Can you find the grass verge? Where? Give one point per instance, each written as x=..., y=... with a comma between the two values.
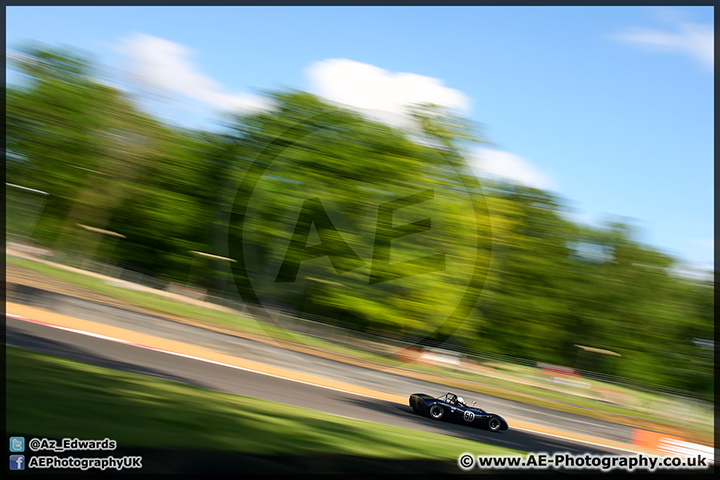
x=54, y=397
x=544, y=397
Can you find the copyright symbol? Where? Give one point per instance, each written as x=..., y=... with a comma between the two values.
x=34, y=444
x=466, y=461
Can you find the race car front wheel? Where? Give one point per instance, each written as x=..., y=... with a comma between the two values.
x=436, y=412
x=494, y=424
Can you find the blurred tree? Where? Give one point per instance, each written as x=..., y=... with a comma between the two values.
x=632, y=304
x=412, y=237
x=52, y=125
x=525, y=309
x=109, y=165
x=374, y=187
x=76, y=138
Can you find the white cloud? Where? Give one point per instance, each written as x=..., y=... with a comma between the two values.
x=694, y=39
x=381, y=94
x=162, y=63
x=491, y=163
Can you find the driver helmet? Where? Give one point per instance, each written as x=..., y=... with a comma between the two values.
x=461, y=400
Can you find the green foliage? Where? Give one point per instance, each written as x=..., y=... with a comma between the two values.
x=397, y=236
x=372, y=189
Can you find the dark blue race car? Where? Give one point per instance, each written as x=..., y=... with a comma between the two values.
x=452, y=408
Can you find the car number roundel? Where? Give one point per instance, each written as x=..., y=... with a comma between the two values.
x=468, y=416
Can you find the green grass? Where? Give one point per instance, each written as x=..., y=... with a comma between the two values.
x=147, y=300
x=54, y=397
x=536, y=395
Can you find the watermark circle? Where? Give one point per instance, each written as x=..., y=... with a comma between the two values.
x=357, y=250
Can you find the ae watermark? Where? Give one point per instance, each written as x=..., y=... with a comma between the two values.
x=293, y=233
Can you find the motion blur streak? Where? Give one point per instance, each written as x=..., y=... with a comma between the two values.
x=104, y=180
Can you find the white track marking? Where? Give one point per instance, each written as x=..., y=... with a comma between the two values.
x=191, y=357
x=113, y=339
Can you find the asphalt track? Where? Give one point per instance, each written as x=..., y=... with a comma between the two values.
x=304, y=393
x=130, y=358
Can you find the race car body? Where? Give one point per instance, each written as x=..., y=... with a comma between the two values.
x=452, y=408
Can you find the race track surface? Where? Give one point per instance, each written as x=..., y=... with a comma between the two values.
x=134, y=359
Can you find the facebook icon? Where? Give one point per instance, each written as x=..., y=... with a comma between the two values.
x=17, y=462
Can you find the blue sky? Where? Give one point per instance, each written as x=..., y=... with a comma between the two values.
x=610, y=108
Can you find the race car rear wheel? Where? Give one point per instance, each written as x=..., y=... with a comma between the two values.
x=436, y=412
x=494, y=424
